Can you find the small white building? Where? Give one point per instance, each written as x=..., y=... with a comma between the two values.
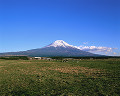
x=39, y=58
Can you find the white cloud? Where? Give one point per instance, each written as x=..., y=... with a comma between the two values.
x=98, y=50
x=94, y=48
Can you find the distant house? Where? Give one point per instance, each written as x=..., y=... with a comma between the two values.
x=46, y=58
x=38, y=58
x=49, y=58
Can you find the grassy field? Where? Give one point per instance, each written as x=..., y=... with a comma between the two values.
x=56, y=78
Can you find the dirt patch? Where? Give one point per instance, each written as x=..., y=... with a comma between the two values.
x=25, y=62
x=28, y=71
x=87, y=71
x=1, y=66
x=67, y=70
x=34, y=62
x=48, y=62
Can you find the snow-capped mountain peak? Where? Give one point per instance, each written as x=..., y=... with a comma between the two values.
x=57, y=48
x=60, y=43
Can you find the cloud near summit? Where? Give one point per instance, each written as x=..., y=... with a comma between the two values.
x=100, y=49
x=94, y=48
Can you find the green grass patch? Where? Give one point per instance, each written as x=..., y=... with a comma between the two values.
x=56, y=78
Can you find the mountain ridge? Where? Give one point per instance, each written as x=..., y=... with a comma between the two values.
x=57, y=48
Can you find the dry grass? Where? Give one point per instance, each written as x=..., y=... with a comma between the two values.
x=54, y=78
x=63, y=69
x=75, y=70
x=1, y=66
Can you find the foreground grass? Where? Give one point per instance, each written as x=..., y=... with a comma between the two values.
x=55, y=78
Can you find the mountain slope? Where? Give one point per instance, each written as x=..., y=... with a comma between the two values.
x=57, y=48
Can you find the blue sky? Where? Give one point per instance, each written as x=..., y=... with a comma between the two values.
x=29, y=24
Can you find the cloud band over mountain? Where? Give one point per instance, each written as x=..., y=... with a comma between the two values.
x=100, y=49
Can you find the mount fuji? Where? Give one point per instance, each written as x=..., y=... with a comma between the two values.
x=57, y=48
x=61, y=43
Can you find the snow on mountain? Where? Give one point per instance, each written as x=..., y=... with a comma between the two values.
x=57, y=48
x=91, y=49
x=61, y=43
